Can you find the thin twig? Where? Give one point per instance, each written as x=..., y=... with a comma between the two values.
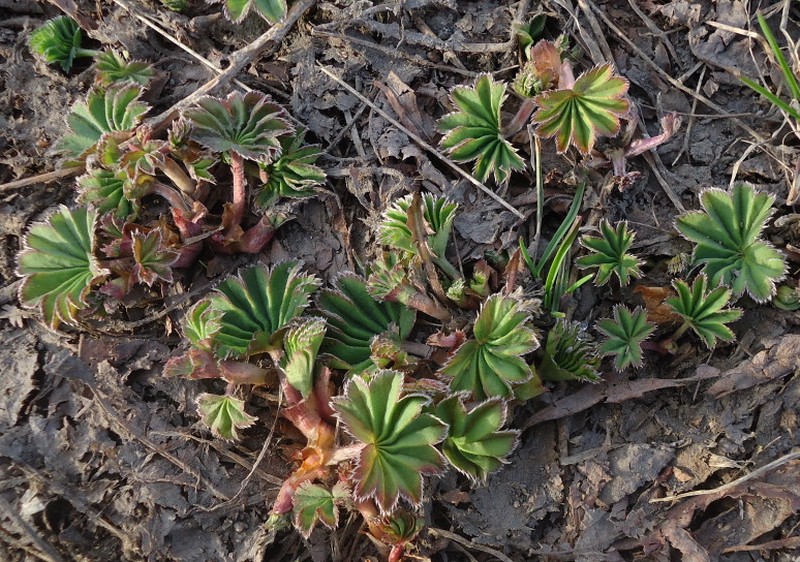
x=469, y=544
x=46, y=177
x=424, y=144
x=661, y=72
x=733, y=484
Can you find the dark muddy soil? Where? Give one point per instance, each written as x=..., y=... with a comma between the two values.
x=102, y=458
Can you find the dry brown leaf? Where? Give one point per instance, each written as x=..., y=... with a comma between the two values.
x=780, y=358
x=658, y=312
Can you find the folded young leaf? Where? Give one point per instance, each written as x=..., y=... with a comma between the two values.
x=474, y=132
x=488, y=365
x=727, y=241
x=224, y=415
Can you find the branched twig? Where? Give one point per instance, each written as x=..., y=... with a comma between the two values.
x=271, y=39
x=420, y=141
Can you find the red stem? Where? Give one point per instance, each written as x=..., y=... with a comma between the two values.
x=239, y=188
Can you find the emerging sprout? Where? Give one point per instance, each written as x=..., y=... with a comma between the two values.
x=59, y=40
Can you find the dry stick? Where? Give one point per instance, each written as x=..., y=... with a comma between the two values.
x=47, y=552
x=46, y=177
x=725, y=487
x=688, y=134
x=71, y=9
x=469, y=544
x=591, y=44
x=158, y=29
x=238, y=61
x=655, y=30
x=394, y=53
x=661, y=72
x=420, y=141
x=598, y=33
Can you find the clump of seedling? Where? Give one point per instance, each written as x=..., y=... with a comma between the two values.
x=110, y=251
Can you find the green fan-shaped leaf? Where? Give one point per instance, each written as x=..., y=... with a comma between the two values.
x=438, y=213
x=591, y=107
x=271, y=10
x=58, y=264
x=727, y=241
x=293, y=174
x=116, y=108
x=313, y=503
x=608, y=254
x=58, y=40
x=355, y=318
x=301, y=345
x=105, y=190
x=568, y=355
x=257, y=304
x=705, y=311
x=474, y=132
x=249, y=125
x=475, y=445
x=201, y=324
x=624, y=336
x=111, y=67
x=489, y=364
x=398, y=438
x=224, y=415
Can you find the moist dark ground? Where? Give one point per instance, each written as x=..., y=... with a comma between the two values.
x=101, y=458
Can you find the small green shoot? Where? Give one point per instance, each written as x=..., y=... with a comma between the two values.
x=624, y=336
x=567, y=355
x=489, y=364
x=112, y=68
x=787, y=72
x=475, y=445
x=224, y=415
x=59, y=41
x=397, y=439
x=105, y=111
x=704, y=311
x=577, y=115
x=314, y=503
x=608, y=254
x=271, y=10
x=58, y=265
x=355, y=319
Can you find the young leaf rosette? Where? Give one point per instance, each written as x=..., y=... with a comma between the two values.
x=397, y=441
x=577, y=115
x=624, y=336
x=257, y=305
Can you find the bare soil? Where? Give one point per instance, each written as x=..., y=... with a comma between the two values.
x=102, y=458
